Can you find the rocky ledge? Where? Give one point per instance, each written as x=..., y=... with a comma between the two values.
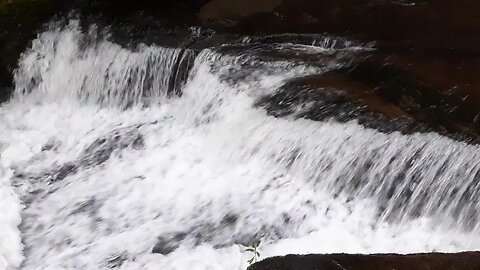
x=424, y=69
x=431, y=261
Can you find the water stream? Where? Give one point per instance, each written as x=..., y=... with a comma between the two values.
x=162, y=158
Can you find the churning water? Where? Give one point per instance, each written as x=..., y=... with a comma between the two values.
x=158, y=158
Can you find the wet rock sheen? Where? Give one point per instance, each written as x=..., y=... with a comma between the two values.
x=436, y=261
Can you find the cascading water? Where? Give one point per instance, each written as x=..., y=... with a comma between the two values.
x=103, y=72
x=121, y=161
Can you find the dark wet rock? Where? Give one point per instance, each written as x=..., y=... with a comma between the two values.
x=167, y=244
x=223, y=233
x=321, y=104
x=419, y=24
x=64, y=171
x=394, y=91
x=88, y=206
x=96, y=154
x=116, y=261
x=317, y=50
x=436, y=261
x=317, y=40
x=384, y=93
x=100, y=151
x=181, y=69
x=226, y=9
x=51, y=145
x=167, y=23
x=5, y=81
x=426, y=61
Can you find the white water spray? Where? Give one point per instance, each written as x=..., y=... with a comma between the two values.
x=184, y=182
x=66, y=64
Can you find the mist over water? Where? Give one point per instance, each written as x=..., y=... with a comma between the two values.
x=161, y=158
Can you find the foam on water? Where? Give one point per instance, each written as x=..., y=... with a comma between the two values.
x=10, y=206
x=197, y=176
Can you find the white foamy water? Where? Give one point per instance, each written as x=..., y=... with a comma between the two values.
x=106, y=180
x=10, y=206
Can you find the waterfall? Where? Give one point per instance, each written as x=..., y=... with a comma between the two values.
x=65, y=63
x=162, y=158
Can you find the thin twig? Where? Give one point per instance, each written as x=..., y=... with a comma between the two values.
x=339, y=265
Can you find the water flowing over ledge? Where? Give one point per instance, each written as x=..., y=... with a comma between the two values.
x=103, y=72
x=118, y=167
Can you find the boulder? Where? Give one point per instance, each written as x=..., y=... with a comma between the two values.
x=431, y=261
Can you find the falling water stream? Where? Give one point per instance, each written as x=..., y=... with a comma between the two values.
x=162, y=158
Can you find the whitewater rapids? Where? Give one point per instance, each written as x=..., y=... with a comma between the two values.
x=110, y=160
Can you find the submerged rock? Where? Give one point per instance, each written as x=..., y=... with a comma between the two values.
x=432, y=261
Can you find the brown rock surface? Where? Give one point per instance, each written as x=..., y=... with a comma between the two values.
x=431, y=261
x=426, y=66
x=225, y=9
x=402, y=86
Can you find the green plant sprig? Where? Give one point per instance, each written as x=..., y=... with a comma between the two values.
x=254, y=250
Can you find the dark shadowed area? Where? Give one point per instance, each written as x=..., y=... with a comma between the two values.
x=432, y=261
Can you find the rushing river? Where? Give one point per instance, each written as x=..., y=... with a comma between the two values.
x=166, y=158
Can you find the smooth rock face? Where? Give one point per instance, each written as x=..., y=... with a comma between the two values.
x=432, y=261
x=225, y=9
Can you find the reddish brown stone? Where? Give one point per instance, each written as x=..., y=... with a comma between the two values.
x=431, y=261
